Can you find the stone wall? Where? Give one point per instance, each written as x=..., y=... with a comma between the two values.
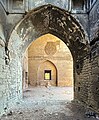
x=82, y=80
x=10, y=84
x=2, y=75
x=25, y=70
x=94, y=78
x=94, y=57
x=83, y=20
x=50, y=48
x=3, y=80
x=86, y=62
x=31, y=27
x=94, y=21
x=20, y=6
x=16, y=10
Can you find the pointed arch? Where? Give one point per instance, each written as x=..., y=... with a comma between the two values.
x=47, y=67
x=50, y=19
x=53, y=20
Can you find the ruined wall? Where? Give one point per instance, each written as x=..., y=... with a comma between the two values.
x=12, y=21
x=82, y=79
x=3, y=23
x=9, y=21
x=10, y=84
x=49, y=47
x=62, y=25
x=17, y=9
x=37, y=23
x=20, y=6
x=88, y=80
x=83, y=20
x=3, y=90
x=94, y=80
x=25, y=70
x=2, y=76
x=94, y=21
x=94, y=57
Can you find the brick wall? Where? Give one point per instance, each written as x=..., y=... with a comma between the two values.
x=86, y=74
x=51, y=48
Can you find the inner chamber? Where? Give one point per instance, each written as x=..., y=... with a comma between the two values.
x=47, y=62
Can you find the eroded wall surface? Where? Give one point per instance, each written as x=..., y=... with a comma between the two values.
x=25, y=81
x=16, y=44
x=17, y=9
x=94, y=21
x=51, y=48
x=94, y=38
x=9, y=77
x=86, y=64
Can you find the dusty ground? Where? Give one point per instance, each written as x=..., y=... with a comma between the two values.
x=52, y=103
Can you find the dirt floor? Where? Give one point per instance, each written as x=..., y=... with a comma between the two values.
x=49, y=103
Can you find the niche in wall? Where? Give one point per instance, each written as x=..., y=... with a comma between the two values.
x=17, y=4
x=78, y=4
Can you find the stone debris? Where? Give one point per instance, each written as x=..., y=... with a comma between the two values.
x=76, y=23
x=38, y=107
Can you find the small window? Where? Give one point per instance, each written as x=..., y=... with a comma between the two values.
x=47, y=75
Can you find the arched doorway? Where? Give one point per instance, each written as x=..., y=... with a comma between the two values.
x=43, y=20
x=47, y=74
x=48, y=55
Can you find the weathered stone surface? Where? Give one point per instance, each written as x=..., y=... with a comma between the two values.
x=94, y=21
x=41, y=58
x=19, y=8
x=47, y=19
x=22, y=6
x=69, y=27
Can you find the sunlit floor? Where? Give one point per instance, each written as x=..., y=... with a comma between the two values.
x=48, y=103
x=49, y=93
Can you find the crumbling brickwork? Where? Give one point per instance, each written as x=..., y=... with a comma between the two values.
x=94, y=57
x=74, y=29
x=94, y=21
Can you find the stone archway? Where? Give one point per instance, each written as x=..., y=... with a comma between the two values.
x=51, y=48
x=53, y=20
x=49, y=68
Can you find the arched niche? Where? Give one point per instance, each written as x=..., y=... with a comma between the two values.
x=47, y=74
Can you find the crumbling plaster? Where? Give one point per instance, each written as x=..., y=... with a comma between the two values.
x=40, y=21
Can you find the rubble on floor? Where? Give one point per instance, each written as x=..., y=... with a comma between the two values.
x=53, y=103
